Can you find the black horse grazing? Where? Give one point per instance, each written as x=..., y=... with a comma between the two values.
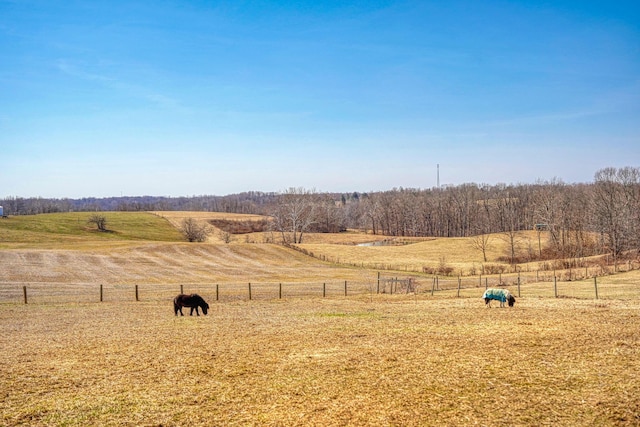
x=194, y=301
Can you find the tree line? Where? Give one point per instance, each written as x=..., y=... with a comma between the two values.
x=581, y=219
x=248, y=202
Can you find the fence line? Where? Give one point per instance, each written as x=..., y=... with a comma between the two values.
x=45, y=292
x=594, y=288
x=560, y=268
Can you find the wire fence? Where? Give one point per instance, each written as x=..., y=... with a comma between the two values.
x=596, y=287
x=41, y=292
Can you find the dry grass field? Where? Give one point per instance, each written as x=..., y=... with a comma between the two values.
x=355, y=361
x=177, y=217
x=166, y=263
x=142, y=248
x=364, y=359
x=414, y=253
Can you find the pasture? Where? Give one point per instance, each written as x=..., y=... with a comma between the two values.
x=364, y=359
x=354, y=361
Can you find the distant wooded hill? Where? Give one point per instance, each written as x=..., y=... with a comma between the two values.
x=581, y=219
x=249, y=202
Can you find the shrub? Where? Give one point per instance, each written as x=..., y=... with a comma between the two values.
x=194, y=231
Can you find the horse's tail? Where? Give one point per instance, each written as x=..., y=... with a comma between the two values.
x=176, y=307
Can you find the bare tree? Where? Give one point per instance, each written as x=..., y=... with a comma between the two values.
x=294, y=213
x=615, y=202
x=509, y=213
x=481, y=243
x=194, y=231
x=99, y=220
x=371, y=212
x=548, y=208
x=465, y=207
x=225, y=236
x=330, y=215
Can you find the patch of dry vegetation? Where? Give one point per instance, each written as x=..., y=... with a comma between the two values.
x=210, y=219
x=387, y=361
x=177, y=216
x=457, y=255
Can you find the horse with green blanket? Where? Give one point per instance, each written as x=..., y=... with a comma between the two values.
x=502, y=295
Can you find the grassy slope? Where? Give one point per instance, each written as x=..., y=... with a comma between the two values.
x=141, y=248
x=72, y=231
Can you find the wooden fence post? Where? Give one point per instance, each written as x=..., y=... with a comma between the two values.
x=595, y=284
x=459, y=282
x=217, y=293
x=249, y=291
x=24, y=291
x=555, y=285
x=181, y=289
x=433, y=286
x=100, y=293
x=280, y=291
x=378, y=291
x=518, y=285
x=345, y=288
x=137, y=295
x=324, y=290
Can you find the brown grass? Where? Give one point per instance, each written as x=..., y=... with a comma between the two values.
x=176, y=218
x=387, y=361
x=168, y=263
x=362, y=360
x=458, y=254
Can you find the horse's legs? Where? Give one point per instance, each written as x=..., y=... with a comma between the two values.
x=177, y=308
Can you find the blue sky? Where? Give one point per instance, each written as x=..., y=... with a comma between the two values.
x=180, y=98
